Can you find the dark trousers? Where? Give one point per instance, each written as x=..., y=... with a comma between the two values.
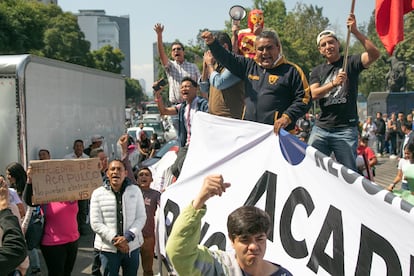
x=178, y=164
x=380, y=143
x=393, y=141
x=111, y=262
x=60, y=259
x=96, y=263
x=147, y=255
x=82, y=216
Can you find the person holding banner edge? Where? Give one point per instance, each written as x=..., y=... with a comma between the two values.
x=248, y=228
x=336, y=130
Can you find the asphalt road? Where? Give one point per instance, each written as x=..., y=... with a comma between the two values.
x=83, y=263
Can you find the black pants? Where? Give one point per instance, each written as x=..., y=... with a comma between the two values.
x=178, y=164
x=96, y=264
x=82, y=216
x=60, y=259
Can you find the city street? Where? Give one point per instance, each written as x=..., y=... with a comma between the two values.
x=83, y=263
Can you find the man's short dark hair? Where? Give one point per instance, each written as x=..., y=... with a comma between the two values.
x=177, y=43
x=45, y=150
x=224, y=38
x=77, y=141
x=408, y=125
x=142, y=169
x=193, y=82
x=116, y=160
x=247, y=221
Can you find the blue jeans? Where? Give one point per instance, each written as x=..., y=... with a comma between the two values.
x=342, y=142
x=111, y=262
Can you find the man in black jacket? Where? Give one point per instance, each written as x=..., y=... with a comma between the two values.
x=380, y=133
x=12, y=243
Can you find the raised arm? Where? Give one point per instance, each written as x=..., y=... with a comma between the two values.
x=182, y=246
x=371, y=53
x=159, y=28
x=161, y=107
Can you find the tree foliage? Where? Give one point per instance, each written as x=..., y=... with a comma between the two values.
x=28, y=26
x=108, y=59
x=133, y=90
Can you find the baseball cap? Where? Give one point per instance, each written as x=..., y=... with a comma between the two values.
x=324, y=34
x=97, y=138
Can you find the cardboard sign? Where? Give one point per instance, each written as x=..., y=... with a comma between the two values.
x=64, y=180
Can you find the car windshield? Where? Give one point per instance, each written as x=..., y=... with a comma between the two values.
x=132, y=133
x=164, y=149
x=152, y=109
x=156, y=125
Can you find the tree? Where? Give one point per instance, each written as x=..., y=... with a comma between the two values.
x=133, y=90
x=108, y=59
x=65, y=41
x=43, y=30
x=22, y=26
x=299, y=38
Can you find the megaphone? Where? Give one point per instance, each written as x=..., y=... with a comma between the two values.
x=237, y=13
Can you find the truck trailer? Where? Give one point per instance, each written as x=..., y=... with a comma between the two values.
x=48, y=104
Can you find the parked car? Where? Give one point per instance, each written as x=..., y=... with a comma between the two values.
x=171, y=145
x=152, y=112
x=132, y=131
x=158, y=128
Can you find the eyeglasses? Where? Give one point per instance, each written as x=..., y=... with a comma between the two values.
x=177, y=49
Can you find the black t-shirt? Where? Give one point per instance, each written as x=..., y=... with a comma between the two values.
x=339, y=106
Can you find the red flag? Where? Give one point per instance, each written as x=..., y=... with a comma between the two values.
x=389, y=20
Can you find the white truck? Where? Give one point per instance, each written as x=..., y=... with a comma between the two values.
x=49, y=104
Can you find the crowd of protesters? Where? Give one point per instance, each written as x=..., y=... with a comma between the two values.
x=276, y=92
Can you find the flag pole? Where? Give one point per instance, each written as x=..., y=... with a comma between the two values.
x=348, y=37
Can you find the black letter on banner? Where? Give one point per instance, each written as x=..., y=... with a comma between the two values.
x=267, y=182
x=335, y=265
x=296, y=249
x=218, y=239
x=349, y=175
x=411, y=265
x=319, y=159
x=171, y=207
x=371, y=243
x=331, y=169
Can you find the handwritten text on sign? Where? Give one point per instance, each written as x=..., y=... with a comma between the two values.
x=64, y=180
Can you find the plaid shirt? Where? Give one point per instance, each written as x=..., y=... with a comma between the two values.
x=175, y=73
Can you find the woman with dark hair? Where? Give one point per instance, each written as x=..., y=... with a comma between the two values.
x=16, y=175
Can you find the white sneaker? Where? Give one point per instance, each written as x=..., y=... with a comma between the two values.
x=393, y=156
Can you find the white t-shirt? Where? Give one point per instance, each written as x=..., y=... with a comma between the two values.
x=402, y=164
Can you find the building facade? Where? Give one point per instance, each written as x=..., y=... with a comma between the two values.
x=101, y=29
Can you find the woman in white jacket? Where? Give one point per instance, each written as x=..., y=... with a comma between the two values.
x=117, y=217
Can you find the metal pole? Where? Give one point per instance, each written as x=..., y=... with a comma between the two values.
x=348, y=37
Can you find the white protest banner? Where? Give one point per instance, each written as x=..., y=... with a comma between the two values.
x=64, y=180
x=327, y=220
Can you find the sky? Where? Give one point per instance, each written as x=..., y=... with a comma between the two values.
x=184, y=18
